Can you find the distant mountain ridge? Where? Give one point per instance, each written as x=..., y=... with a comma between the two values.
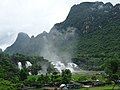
x=90, y=29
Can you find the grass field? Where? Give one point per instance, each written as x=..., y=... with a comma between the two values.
x=86, y=75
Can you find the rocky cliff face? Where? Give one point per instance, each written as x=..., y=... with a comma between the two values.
x=88, y=16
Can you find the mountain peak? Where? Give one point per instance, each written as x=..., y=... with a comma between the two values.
x=22, y=34
x=97, y=5
x=44, y=32
x=117, y=6
x=21, y=41
x=22, y=37
x=108, y=5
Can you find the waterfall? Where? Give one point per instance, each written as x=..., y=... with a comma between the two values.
x=20, y=65
x=61, y=66
x=72, y=67
x=30, y=73
x=28, y=64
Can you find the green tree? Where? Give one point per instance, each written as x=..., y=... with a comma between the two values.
x=50, y=69
x=112, y=67
x=23, y=74
x=113, y=70
x=6, y=85
x=114, y=78
x=19, y=58
x=66, y=76
x=43, y=79
x=55, y=77
x=35, y=69
x=8, y=71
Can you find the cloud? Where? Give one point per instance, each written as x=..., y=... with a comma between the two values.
x=7, y=38
x=30, y=15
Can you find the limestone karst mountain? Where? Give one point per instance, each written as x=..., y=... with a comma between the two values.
x=90, y=31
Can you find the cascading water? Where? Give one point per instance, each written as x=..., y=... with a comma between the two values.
x=61, y=66
x=20, y=65
x=30, y=73
x=72, y=67
x=28, y=64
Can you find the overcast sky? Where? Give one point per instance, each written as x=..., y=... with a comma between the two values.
x=32, y=16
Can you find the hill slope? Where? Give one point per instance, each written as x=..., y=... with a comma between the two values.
x=90, y=34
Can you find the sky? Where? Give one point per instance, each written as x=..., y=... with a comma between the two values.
x=32, y=16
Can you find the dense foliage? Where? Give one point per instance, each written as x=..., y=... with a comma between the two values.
x=12, y=78
x=11, y=75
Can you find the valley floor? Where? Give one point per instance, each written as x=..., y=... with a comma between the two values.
x=107, y=87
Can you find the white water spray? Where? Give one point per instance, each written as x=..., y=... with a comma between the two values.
x=28, y=64
x=20, y=65
x=51, y=50
x=72, y=67
x=61, y=66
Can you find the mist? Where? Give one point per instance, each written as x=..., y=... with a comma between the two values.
x=52, y=49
